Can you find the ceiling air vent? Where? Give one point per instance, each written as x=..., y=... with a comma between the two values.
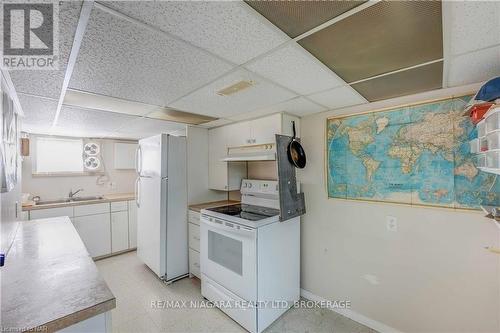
x=235, y=88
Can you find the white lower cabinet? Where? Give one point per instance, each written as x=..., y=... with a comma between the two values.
x=194, y=243
x=51, y=212
x=105, y=228
x=119, y=231
x=132, y=224
x=95, y=232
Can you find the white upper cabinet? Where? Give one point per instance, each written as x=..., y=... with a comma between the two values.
x=263, y=130
x=217, y=149
x=238, y=134
x=125, y=155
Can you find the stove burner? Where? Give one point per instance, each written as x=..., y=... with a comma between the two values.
x=247, y=212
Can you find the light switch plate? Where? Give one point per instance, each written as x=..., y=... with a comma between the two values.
x=391, y=223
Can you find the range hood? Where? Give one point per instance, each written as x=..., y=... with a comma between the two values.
x=264, y=152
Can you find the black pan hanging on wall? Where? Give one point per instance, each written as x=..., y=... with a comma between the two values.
x=295, y=152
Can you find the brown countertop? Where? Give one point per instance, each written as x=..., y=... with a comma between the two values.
x=107, y=198
x=49, y=280
x=199, y=207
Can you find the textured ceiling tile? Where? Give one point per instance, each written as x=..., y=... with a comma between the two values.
x=338, y=97
x=229, y=29
x=49, y=82
x=121, y=59
x=298, y=106
x=474, y=67
x=408, y=82
x=297, y=17
x=387, y=36
x=91, y=121
x=38, y=112
x=295, y=68
x=143, y=127
x=472, y=24
x=207, y=101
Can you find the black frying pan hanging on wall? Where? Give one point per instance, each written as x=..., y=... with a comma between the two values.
x=295, y=152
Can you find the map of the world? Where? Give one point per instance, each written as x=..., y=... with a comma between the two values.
x=416, y=155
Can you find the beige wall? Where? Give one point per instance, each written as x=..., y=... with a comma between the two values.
x=432, y=275
x=120, y=181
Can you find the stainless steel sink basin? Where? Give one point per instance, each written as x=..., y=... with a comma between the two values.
x=65, y=200
x=96, y=197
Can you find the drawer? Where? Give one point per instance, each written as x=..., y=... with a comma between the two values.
x=194, y=217
x=194, y=236
x=51, y=212
x=194, y=263
x=119, y=206
x=99, y=208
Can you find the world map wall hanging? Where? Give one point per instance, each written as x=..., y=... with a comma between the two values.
x=417, y=155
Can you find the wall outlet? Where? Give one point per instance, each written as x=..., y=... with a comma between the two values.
x=391, y=223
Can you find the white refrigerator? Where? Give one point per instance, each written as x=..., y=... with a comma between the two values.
x=161, y=198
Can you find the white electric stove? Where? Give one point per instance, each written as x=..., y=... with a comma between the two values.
x=250, y=261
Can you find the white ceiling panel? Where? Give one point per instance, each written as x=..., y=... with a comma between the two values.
x=472, y=24
x=38, y=112
x=95, y=122
x=338, y=97
x=122, y=59
x=230, y=29
x=296, y=69
x=298, y=106
x=206, y=100
x=474, y=67
x=49, y=82
x=144, y=127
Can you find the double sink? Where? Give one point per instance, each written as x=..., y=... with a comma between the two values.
x=66, y=200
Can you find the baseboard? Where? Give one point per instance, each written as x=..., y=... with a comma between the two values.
x=357, y=317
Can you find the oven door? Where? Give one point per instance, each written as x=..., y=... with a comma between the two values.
x=229, y=256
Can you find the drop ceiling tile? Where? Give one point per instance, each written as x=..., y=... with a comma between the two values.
x=474, y=67
x=90, y=121
x=472, y=24
x=38, y=112
x=48, y=83
x=338, y=97
x=297, y=17
x=298, y=106
x=124, y=60
x=206, y=100
x=296, y=69
x=408, y=82
x=144, y=127
x=387, y=36
x=229, y=29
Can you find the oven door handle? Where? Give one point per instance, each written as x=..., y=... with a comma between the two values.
x=221, y=225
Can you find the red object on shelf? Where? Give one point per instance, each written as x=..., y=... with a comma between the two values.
x=478, y=111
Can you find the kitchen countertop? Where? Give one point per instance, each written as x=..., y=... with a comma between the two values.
x=107, y=198
x=49, y=280
x=199, y=207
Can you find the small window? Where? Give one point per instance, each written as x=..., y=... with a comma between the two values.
x=58, y=155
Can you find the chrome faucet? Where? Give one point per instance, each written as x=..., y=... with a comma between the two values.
x=72, y=194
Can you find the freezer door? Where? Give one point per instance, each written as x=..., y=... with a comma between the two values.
x=152, y=156
x=152, y=223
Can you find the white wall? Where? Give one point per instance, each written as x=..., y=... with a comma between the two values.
x=432, y=275
x=120, y=181
x=197, y=155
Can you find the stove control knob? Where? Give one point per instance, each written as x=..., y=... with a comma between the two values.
x=245, y=185
x=249, y=185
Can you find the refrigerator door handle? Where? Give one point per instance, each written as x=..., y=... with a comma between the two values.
x=138, y=160
x=137, y=193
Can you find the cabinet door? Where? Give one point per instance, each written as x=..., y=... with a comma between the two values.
x=95, y=232
x=263, y=130
x=217, y=149
x=132, y=224
x=51, y=212
x=119, y=231
x=239, y=134
x=99, y=208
